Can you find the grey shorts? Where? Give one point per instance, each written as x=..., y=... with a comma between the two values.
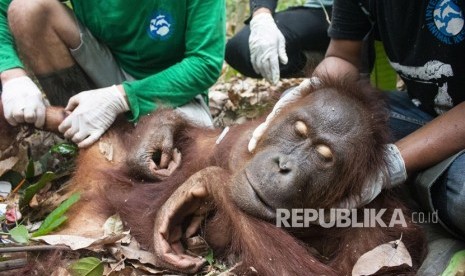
x=99, y=64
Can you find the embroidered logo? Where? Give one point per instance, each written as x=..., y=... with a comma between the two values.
x=160, y=26
x=445, y=21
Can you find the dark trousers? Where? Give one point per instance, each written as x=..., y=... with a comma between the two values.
x=305, y=30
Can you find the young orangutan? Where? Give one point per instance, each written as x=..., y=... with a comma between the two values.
x=318, y=153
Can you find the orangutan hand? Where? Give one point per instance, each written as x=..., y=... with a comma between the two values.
x=192, y=200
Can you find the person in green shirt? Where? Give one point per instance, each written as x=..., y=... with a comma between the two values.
x=104, y=58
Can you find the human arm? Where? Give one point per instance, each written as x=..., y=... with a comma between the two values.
x=434, y=142
x=342, y=59
x=349, y=26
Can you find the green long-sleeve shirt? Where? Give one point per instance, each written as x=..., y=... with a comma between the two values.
x=174, y=49
x=8, y=57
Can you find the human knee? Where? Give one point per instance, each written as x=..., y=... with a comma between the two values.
x=25, y=16
x=456, y=193
x=237, y=55
x=455, y=213
x=233, y=49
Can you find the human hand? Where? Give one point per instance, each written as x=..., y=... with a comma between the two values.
x=292, y=96
x=393, y=175
x=92, y=113
x=22, y=102
x=267, y=45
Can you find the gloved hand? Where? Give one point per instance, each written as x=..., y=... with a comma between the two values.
x=393, y=175
x=22, y=102
x=93, y=112
x=266, y=43
x=292, y=96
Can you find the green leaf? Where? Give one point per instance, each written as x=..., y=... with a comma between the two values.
x=50, y=227
x=89, y=266
x=56, y=218
x=210, y=258
x=20, y=234
x=65, y=149
x=456, y=264
x=34, y=188
x=30, y=171
x=383, y=75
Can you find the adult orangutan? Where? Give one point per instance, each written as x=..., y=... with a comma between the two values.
x=318, y=153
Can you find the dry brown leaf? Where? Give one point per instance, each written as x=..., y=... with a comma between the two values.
x=116, y=267
x=131, y=253
x=126, y=271
x=34, y=203
x=74, y=242
x=390, y=254
x=217, y=99
x=113, y=225
x=8, y=164
x=16, y=163
x=152, y=271
x=106, y=149
x=78, y=242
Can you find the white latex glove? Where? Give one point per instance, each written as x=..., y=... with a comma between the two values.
x=292, y=96
x=93, y=112
x=394, y=175
x=267, y=45
x=23, y=102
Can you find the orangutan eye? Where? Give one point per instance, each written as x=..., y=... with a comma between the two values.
x=301, y=128
x=325, y=152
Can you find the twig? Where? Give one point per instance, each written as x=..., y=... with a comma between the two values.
x=32, y=248
x=117, y=264
x=18, y=186
x=12, y=264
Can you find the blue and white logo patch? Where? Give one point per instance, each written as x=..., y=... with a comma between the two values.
x=445, y=20
x=160, y=26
